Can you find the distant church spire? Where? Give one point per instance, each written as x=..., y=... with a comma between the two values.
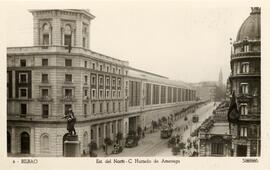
x=220, y=78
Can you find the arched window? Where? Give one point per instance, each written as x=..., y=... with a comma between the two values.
x=85, y=140
x=67, y=35
x=46, y=34
x=44, y=143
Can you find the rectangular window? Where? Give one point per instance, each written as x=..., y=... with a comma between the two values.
x=85, y=109
x=113, y=82
x=85, y=64
x=93, y=108
x=45, y=111
x=93, y=66
x=23, y=109
x=67, y=107
x=101, y=107
x=119, y=82
x=107, y=107
x=107, y=94
x=68, y=62
x=83, y=42
x=217, y=149
x=45, y=39
x=85, y=93
x=100, y=67
x=113, y=107
x=67, y=39
x=243, y=109
x=93, y=93
x=114, y=94
x=85, y=79
x=68, y=93
x=243, y=132
x=107, y=81
x=45, y=93
x=246, y=48
x=93, y=80
x=23, y=92
x=245, y=67
x=100, y=80
x=244, y=88
x=119, y=106
x=107, y=69
x=68, y=78
x=100, y=94
x=113, y=70
x=23, y=63
x=119, y=93
x=23, y=78
x=44, y=78
x=119, y=71
x=45, y=62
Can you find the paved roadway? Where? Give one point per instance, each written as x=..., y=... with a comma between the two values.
x=153, y=145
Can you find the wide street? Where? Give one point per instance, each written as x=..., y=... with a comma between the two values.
x=153, y=145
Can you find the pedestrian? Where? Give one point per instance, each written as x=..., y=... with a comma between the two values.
x=143, y=135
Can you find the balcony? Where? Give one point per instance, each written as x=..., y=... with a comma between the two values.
x=45, y=99
x=249, y=74
x=68, y=99
x=250, y=54
x=251, y=117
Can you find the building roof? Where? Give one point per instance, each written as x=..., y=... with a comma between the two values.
x=136, y=73
x=251, y=28
x=220, y=128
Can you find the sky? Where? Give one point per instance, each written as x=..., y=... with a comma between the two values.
x=180, y=40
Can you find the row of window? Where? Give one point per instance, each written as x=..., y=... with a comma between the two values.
x=68, y=63
x=174, y=94
x=251, y=131
x=104, y=107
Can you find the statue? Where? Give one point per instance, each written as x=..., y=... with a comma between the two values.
x=71, y=120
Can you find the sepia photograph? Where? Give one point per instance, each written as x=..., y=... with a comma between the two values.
x=143, y=80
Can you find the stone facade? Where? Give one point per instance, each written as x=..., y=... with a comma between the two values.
x=245, y=82
x=60, y=71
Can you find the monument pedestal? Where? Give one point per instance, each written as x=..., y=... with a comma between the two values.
x=72, y=146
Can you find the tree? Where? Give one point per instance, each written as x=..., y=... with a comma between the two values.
x=119, y=137
x=92, y=147
x=107, y=142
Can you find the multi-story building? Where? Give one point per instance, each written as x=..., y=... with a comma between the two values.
x=61, y=72
x=245, y=82
x=214, y=134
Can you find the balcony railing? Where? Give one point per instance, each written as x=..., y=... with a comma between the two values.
x=68, y=99
x=250, y=117
x=45, y=99
x=246, y=54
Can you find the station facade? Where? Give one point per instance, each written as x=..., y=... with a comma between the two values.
x=61, y=72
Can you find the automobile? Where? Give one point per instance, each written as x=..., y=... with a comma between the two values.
x=132, y=140
x=195, y=118
x=117, y=149
x=166, y=132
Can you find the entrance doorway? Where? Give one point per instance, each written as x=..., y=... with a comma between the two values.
x=241, y=150
x=8, y=142
x=25, y=143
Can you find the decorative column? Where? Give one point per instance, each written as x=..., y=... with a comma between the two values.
x=13, y=141
x=32, y=141
x=248, y=148
x=97, y=136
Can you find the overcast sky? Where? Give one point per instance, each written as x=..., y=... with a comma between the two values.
x=183, y=41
